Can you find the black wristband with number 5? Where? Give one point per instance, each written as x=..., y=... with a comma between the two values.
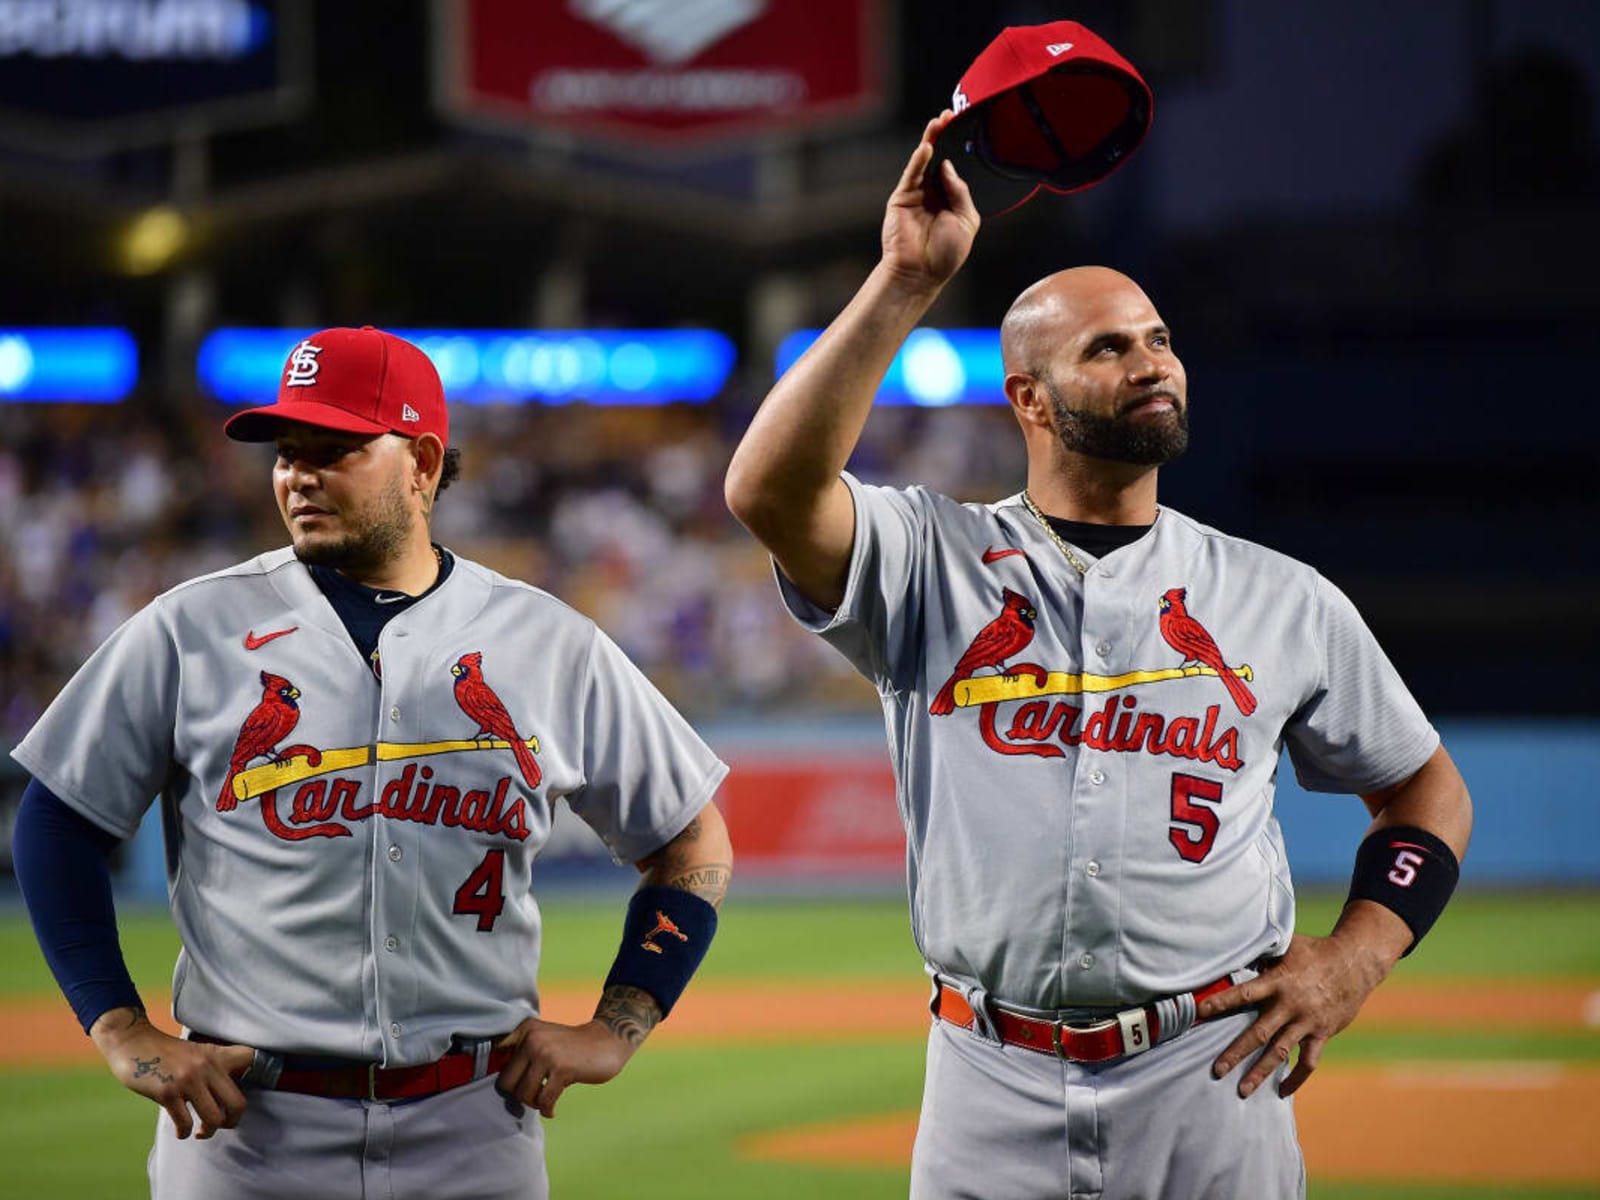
x=1409, y=871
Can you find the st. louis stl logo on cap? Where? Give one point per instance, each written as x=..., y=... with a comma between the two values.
x=303, y=365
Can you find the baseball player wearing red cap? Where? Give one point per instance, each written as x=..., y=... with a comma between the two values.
x=1086, y=694
x=356, y=742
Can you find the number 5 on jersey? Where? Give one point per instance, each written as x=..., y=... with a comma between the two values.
x=1194, y=825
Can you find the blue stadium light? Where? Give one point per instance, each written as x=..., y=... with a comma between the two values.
x=84, y=366
x=487, y=366
x=934, y=369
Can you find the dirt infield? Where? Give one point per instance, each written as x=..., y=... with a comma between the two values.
x=1401, y=1121
x=1424, y=1122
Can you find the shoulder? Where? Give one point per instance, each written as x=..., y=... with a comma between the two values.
x=520, y=597
x=1266, y=565
x=203, y=590
x=934, y=507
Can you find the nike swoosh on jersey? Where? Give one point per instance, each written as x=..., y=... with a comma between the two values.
x=252, y=642
x=992, y=555
x=390, y=597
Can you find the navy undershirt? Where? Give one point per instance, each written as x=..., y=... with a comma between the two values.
x=365, y=610
x=62, y=860
x=1098, y=540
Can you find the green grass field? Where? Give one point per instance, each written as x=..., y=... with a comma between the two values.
x=669, y=1127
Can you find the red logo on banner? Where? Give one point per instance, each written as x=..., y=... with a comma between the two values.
x=649, y=70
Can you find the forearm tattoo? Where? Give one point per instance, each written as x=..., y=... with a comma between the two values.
x=629, y=1012
x=678, y=865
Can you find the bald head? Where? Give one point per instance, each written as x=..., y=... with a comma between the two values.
x=1065, y=307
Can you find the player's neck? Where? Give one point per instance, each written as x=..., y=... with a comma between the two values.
x=1078, y=488
x=411, y=572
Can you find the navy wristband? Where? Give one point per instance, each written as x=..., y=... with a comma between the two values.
x=664, y=937
x=1409, y=871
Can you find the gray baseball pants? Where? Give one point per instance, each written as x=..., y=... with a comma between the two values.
x=458, y=1145
x=1004, y=1123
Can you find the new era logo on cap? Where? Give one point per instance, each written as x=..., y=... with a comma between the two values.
x=1043, y=107
x=355, y=381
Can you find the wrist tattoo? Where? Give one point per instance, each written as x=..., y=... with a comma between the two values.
x=629, y=1012
x=150, y=1066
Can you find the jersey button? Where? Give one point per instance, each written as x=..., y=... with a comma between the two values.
x=1097, y=776
x=394, y=714
x=1086, y=961
x=1103, y=649
x=1091, y=869
x=394, y=853
x=394, y=1029
x=391, y=943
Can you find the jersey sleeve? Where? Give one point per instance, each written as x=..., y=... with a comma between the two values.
x=1361, y=730
x=104, y=746
x=646, y=771
x=875, y=625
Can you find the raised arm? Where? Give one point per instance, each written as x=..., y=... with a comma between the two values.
x=783, y=483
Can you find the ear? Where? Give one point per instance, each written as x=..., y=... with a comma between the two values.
x=1029, y=401
x=427, y=452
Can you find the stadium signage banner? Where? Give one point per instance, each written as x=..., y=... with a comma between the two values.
x=648, y=71
x=87, y=76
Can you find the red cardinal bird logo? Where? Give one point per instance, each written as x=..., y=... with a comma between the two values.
x=1190, y=639
x=1001, y=638
x=664, y=924
x=269, y=722
x=478, y=701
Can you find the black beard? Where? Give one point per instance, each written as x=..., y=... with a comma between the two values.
x=1144, y=443
x=365, y=551
x=368, y=549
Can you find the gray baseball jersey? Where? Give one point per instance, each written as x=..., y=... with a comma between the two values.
x=350, y=857
x=1086, y=764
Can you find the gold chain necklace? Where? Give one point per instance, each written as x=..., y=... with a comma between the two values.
x=1072, y=555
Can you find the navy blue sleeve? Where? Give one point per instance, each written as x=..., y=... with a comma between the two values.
x=62, y=864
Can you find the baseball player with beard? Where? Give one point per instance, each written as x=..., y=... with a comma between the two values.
x=357, y=741
x=1086, y=694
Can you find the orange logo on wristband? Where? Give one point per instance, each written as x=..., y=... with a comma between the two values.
x=663, y=925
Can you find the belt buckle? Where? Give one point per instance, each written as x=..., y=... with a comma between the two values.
x=372, y=1081
x=1097, y=1027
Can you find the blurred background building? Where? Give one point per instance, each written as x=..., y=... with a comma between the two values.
x=1374, y=227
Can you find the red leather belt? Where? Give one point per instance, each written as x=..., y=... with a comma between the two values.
x=1132, y=1031
x=368, y=1081
x=347, y=1079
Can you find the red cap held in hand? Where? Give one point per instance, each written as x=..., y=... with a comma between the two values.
x=1044, y=106
x=354, y=380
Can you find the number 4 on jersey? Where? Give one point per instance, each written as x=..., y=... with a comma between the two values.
x=482, y=894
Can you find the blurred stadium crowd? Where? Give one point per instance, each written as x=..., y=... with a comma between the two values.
x=617, y=511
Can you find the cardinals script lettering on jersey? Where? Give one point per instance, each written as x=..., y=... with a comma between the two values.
x=414, y=796
x=1037, y=724
x=1042, y=727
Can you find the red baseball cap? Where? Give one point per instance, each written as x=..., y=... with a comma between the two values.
x=355, y=380
x=1044, y=106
